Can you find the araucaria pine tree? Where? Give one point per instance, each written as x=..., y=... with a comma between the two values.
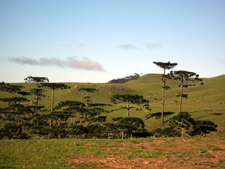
x=54, y=86
x=183, y=76
x=87, y=98
x=130, y=99
x=164, y=66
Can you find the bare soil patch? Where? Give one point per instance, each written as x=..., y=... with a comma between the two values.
x=179, y=154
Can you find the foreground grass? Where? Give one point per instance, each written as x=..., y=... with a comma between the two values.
x=67, y=153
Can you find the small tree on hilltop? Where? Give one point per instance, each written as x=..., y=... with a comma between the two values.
x=183, y=76
x=164, y=66
x=130, y=99
x=54, y=86
x=31, y=79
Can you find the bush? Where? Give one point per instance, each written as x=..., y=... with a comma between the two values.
x=183, y=125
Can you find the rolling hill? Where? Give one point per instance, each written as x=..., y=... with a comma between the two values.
x=205, y=102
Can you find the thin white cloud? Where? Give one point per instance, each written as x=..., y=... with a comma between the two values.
x=71, y=62
x=153, y=45
x=51, y=61
x=24, y=60
x=83, y=64
x=128, y=46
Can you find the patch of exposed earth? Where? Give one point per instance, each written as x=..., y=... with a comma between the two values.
x=179, y=154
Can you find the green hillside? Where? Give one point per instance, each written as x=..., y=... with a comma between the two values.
x=205, y=102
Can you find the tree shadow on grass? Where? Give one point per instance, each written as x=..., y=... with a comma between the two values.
x=200, y=117
x=158, y=115
x=217, y=114
x=99, y=105
x=121, y=108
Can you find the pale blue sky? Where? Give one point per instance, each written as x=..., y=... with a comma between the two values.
x=99, y=40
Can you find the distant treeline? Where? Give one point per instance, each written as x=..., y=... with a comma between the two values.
x=125, y=79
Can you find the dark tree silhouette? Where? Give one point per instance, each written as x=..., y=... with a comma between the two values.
x=77, y=131
x=73, y=107
x=54, y=86
x=38, y=93
x=125, y=79
x=31, y=79
x=110, y=129
x=183, y=124
x=204, y=127
x=164, y=66
x=130, y=99
x=129, y=125
x=183, y=76
x=10, y=88
x=87, y=98
x=15, y=100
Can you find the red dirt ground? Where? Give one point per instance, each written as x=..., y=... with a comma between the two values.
x=178, y=154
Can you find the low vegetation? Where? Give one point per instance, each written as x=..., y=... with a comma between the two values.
x=105, y=153
x=125, y=79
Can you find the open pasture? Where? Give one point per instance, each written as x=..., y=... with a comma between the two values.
x=103, y=153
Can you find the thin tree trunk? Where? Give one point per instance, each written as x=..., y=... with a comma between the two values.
x=37, y=105
x=182, y=133
x=181, y=93
x=31, y=100
x=52, y=100
x=163, y=102
x=128, y=107
x=163, y=98
x=50, y=124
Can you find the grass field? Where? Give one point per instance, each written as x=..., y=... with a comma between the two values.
x=102, y=153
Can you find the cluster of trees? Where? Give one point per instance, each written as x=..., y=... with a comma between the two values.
x=68, y=119
x=23, y=118
x=125, y=79
x=136, y=100
x=181, y=75
x=183, y=126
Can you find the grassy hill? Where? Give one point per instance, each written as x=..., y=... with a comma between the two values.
x=205, y=102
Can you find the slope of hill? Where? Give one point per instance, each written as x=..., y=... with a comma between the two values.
x=218, y=80
x=205, y=102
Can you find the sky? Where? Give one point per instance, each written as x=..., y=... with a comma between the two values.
x=100, y=40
